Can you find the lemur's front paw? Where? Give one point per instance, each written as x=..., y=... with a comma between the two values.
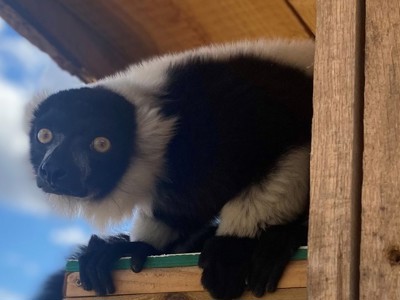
x=225, y=262
x=95, y=268
x=96, y=263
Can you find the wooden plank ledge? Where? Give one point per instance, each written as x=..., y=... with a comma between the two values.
x=282, y=294
x=173, y=280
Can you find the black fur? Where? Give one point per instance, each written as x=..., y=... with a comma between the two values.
x=235, y=120
x=226, y=261
x=53, y=288
x=82, y=115
x=275, y=247
x=96, y=262
x=232, y=264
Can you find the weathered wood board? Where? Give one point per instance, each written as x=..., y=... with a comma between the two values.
x=336, y=152
x=282, y=294
x=380, y=238
x=174, y=280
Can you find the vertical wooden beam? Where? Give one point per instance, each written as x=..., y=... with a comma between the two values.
x=336, y=151
x=380, y=247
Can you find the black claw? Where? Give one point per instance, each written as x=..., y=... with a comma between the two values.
x=85, y=281
x=136, y=265
x=104, y=276
x=95, y=243
x=138, y=258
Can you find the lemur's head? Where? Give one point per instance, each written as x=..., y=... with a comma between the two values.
x=82, y=141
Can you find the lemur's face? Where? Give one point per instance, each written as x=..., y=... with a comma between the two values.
x=81, y=142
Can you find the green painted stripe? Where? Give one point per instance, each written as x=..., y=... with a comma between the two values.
x=167, y=261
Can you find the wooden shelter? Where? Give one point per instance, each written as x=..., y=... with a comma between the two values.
x=94, y=38
x=354, y=245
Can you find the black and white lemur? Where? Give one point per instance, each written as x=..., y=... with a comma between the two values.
x=217, y=137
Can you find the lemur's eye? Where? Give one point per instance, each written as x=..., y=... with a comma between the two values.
x=101, y=144
x=44, y=136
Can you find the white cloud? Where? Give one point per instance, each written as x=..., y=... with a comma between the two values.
x=53, y=79
x=2, y=24
x=35, y=72
x=12, y=137
x=10, y=295
x=23, y=50
x=38, y=70
x=16, y=184
x=68, y=236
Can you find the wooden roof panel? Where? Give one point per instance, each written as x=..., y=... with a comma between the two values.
x=94, y=38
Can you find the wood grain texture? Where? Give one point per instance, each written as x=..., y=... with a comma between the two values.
x=64, y=37
x=336, y=158
x=94, y=38
x=306, y=10
x=380, y=247
x=174, y=25
x=166, y=280
x=18, y=21
x=281, y=294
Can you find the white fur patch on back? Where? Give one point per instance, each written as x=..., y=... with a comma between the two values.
x=280, y=198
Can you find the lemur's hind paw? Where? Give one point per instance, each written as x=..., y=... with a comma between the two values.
x=225, y=262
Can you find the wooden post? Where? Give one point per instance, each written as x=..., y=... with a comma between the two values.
x=380, y=247
x=336, y=151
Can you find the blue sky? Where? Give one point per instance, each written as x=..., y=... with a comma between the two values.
x=34, y=242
